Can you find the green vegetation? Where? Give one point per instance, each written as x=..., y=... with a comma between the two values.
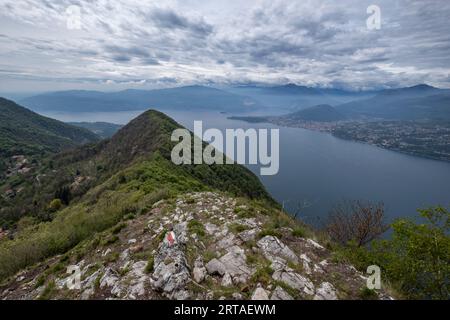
x=55, y=205
x=145, y=145
x=25, y=132
x=150, y=265
x=368, y=294
x=197, y=227
x=48, y=291
x=118, y=228
x=270, y=231
x=299, y=232
x=262, y=275
x=72, y=225
x=237, y=227
x=415, y=260
x=136, y=172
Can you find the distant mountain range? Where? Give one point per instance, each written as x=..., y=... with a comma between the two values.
x=320, y=113
x=421, y=102
x=291, y=97
x=412, y=103
x=183, y=98
x=25, y=132
x=238, y=99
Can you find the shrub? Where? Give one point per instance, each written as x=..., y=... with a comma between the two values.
x=150, y=265
x=368, y=294
x=55, y=205
x=118, y=228
x=110, y=240
x=269, y=231
x=48, y=291
x=298, y=232
x=415, y=260
x=356, y=221
x=197, y=227
x=237, y=227
x=40, y=281
x=262, y=275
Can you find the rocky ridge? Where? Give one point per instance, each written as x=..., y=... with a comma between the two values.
x=204, y=245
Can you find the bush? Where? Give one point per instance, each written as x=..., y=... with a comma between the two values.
x=368, y=294
x=55, y=205
x=356, y=221
x=150, y=265
x=197, y=227
x=416, y=260
x=299, y=232
x=263, y=275
x=48, y=291
x=237, y=227
x=118, y=228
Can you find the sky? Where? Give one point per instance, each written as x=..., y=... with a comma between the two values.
x=113, y=45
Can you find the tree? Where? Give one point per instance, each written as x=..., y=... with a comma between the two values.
x=417, y=258
x=356, y=221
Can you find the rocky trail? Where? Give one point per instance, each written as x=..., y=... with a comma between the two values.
x=198, y=246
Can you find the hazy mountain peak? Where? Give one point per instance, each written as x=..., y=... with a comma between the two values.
x=319, y=113
x=423, y=86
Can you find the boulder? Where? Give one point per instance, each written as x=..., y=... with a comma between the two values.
x=211, y=228
x=227, y=241
x=248, y=235
x=171, y=273
x=326, y=291
x=260, y=294
x=311, y=243
x=280, y=294
x=272, y=247
x=136, y=279
x=199, y=271
x=288, y=276
x=233, y=263
x=215, y=267
x=306, y=261
x=227, y=281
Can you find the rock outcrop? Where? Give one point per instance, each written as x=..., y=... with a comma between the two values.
x=198, y=246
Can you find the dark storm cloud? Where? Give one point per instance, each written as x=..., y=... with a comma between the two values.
x=169, y=19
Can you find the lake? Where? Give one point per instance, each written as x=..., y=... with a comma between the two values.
x=319, y=170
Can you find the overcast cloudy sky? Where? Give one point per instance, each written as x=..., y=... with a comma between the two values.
x=149, y=44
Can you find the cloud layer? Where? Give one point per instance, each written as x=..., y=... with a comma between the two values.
x=147, y=44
